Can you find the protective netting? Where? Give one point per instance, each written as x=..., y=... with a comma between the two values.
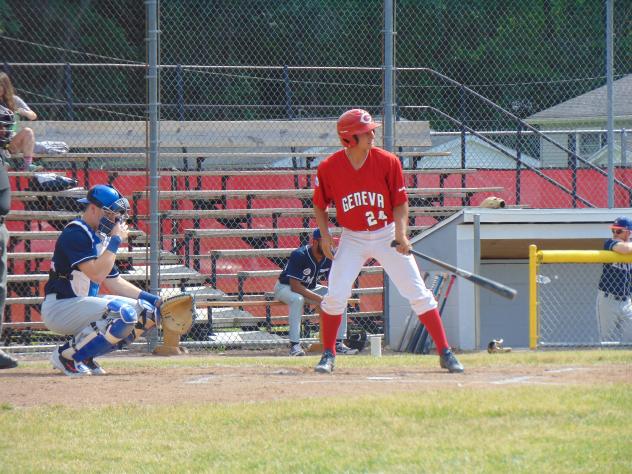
x=580, y=305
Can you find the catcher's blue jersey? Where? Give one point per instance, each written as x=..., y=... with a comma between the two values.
x=77, y=243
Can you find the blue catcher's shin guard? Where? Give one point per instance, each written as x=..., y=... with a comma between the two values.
x=117, y=330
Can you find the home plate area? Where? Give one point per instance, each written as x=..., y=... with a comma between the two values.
x=258, y=382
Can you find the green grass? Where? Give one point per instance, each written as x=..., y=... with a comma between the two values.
x=545, y=429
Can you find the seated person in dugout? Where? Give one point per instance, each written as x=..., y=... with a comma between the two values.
x=299, y=284
x=83, y=260
x=614, y=307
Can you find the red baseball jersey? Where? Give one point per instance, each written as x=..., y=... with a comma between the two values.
x=364, y=198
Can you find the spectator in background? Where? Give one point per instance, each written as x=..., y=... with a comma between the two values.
x=6, y=361
x=24, y=140
x=614, y=307
x=299, y=284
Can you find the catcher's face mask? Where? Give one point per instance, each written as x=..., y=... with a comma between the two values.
x=111, y=218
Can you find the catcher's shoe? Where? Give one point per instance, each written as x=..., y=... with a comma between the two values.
x=342, y=349
x=327, y=363
x=68, y=366
x=296, y=350
x=94, y=366
x=449, y=361
x=6, y=361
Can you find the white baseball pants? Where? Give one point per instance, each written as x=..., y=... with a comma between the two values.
x=354, y=249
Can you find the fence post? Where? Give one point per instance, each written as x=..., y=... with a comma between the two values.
x=572, y=165
x=68, y=81
x=389, y=84
x=180, y=92
x=153, y=137
x=288, y=92
x=518, y=161
x=624, y=152
x=462, y=97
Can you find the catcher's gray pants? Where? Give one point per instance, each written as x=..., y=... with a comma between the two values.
x=295, y=302
x=615, y=318
x=71, y=315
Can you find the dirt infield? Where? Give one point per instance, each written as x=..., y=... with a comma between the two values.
x=32, y=386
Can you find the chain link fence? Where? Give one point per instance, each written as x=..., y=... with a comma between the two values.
x=249, y=95
x=583, y=305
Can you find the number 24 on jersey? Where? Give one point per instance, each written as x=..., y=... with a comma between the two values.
x=371, y=220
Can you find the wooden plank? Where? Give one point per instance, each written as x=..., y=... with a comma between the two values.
x=54, y=234
x=279, y=172
x=237, y=321
x=206, y=233
x=41, y=216
x=255, y=134
x=290, y=212
x=75, y=194
x=276, y=273
x=281, y=252
x=139, y=255
x=30, y=324
x=299, y=193
x=376, y=290
x=33, y=300
x=251, y=303
x=140, y=276
x=32, y=174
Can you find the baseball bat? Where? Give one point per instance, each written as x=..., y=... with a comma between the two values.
x=498, y=288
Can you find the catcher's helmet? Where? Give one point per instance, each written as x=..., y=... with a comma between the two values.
x=108, y=198
x=354, y=122
x=7, y=126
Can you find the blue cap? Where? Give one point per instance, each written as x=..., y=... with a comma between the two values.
x=317, y=234
x=622, y=223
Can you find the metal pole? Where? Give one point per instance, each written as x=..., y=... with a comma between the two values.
x=610, y=102
x=389, y=63
x=288, y=93
x=180, y=92
x=69, y=94
x=154, y=134
x=477, y=270
x=624, y=154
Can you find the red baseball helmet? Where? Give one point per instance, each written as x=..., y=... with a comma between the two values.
x=354, y=122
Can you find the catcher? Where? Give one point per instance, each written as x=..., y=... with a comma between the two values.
x=83, y=260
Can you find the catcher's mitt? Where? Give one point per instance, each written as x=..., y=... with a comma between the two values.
x=176, y=314
x=492, y=202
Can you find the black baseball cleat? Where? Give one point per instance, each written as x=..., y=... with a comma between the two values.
x=6, y=361
x=326, y=364
x=448, y=360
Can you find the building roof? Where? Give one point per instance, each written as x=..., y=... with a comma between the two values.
x=591, y=105
x=480, y=154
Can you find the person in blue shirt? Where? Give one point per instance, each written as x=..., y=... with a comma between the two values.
x=83, y=260
x=299, y=284
x=614, y=307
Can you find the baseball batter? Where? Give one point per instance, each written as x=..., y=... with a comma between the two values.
x=84, y=258
x=366, y=185
x=614, y=307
